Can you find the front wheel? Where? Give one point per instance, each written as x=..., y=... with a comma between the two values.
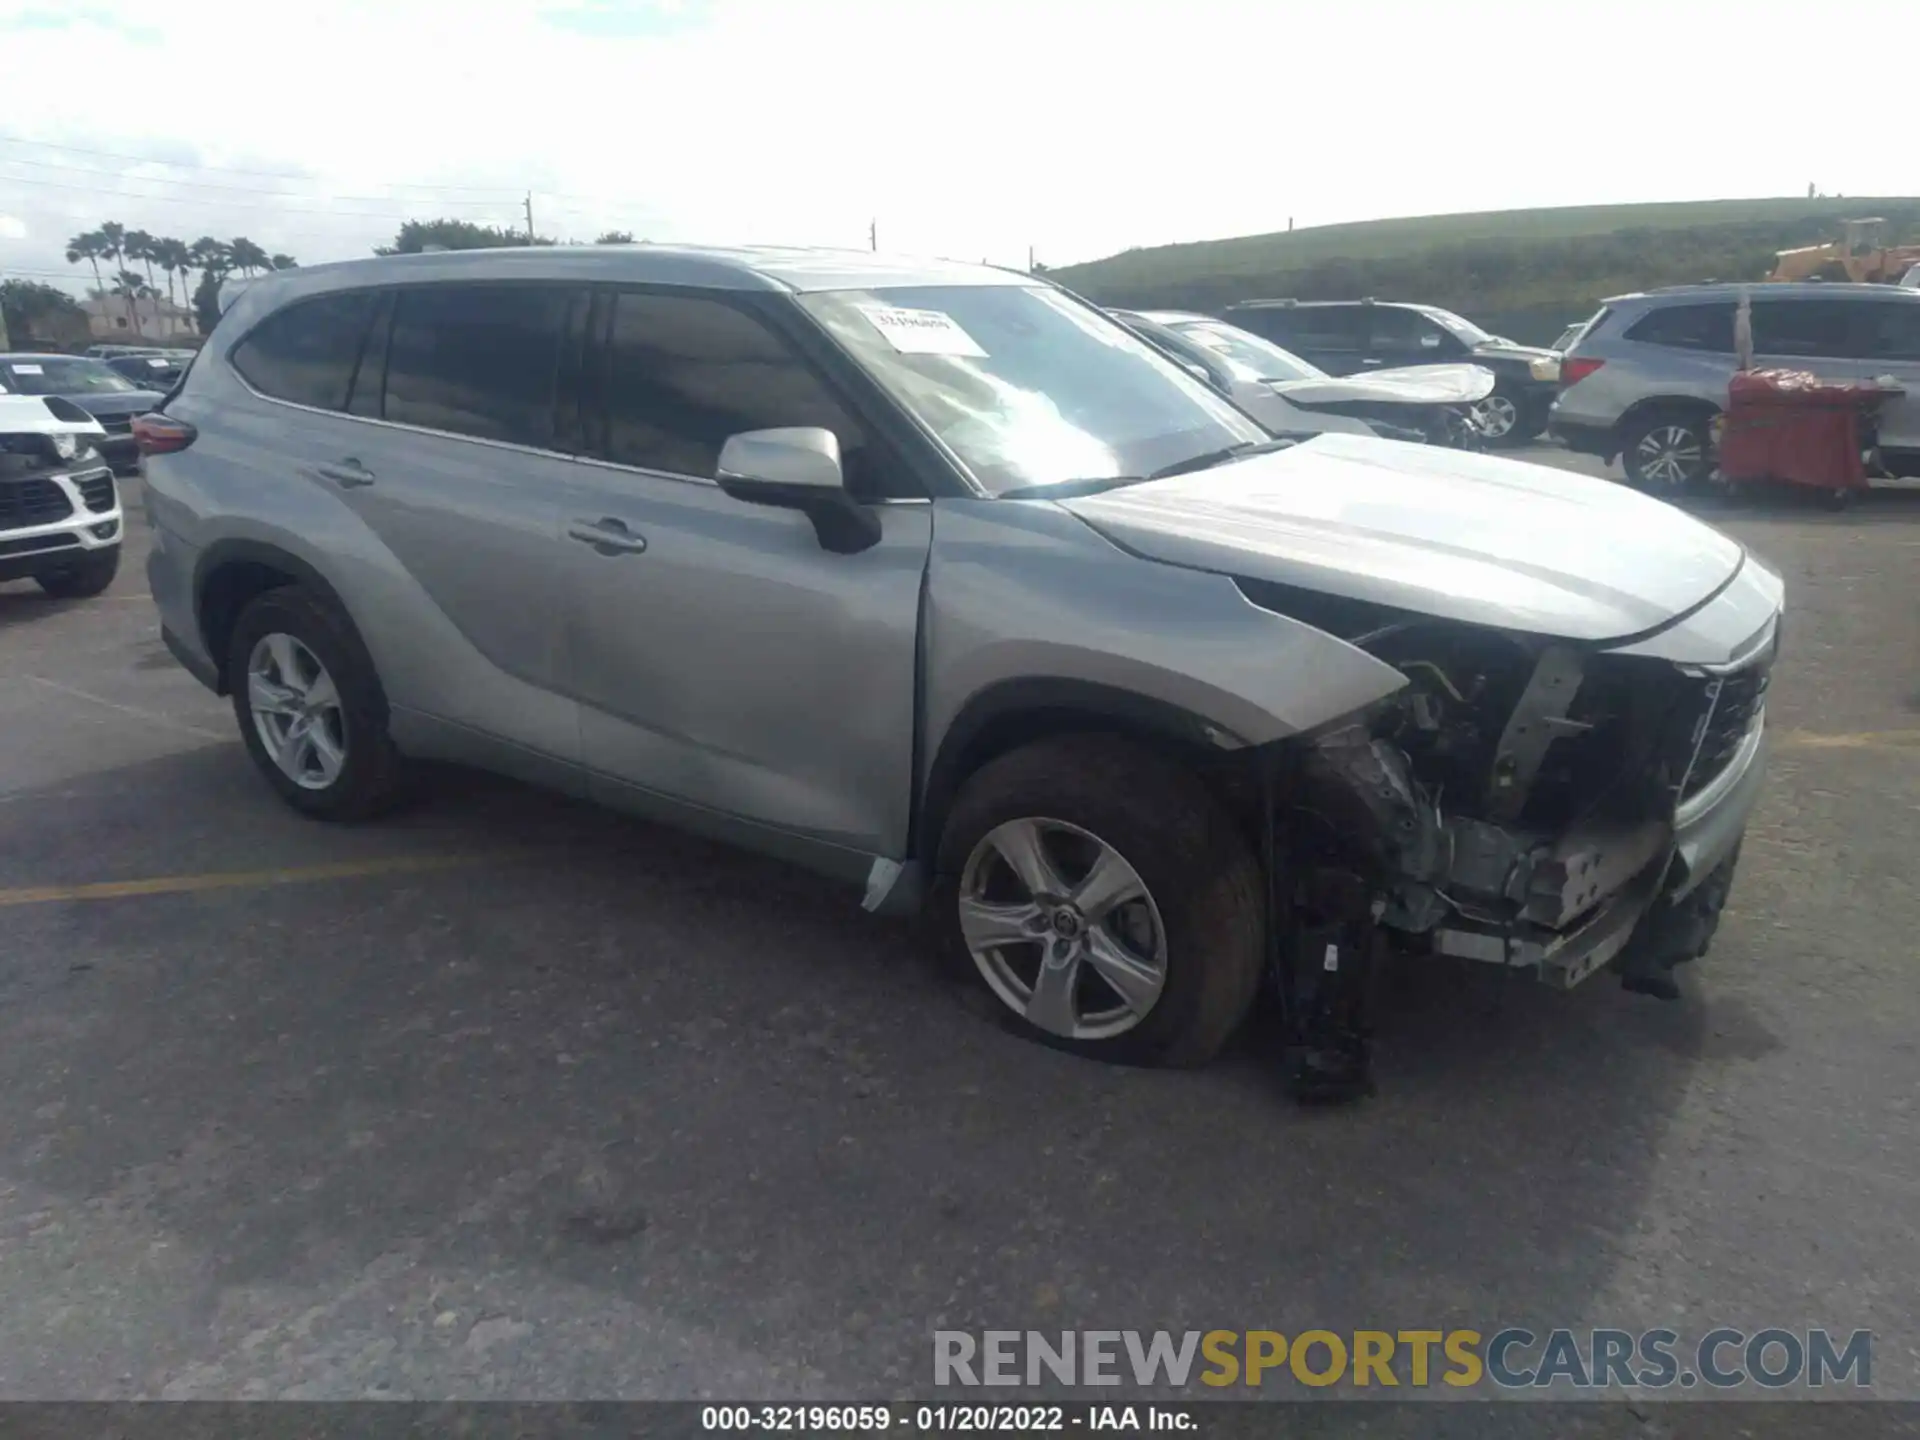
x=83, y=579
x=1501, y=419
x=1105, y=899
x=1668, y=454
x=310, y=707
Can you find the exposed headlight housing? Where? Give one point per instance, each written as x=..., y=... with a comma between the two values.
x=66, y=446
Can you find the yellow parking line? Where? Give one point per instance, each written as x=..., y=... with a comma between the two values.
x=238, y=879
x=1857, y=740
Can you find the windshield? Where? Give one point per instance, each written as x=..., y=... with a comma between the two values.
x=1261, y=359
x=59, y=375
x=1027, y=386
x=1464, y=330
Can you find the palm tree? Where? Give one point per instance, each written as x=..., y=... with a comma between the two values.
x=131, y=288
x=90, y=246
x=210, y=256
x=113, y=236
x=140, y=247
x=173, y=259
x=247, y=256
x=283, y=262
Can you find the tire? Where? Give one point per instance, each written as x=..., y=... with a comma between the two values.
x=1199, y=922
x=1669, y=452
x=83, y=579
x=291, y=636
x=1503, y=418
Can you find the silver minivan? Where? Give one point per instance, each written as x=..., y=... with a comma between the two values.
x=937, y=580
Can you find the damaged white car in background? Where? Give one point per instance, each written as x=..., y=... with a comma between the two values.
x=1431, y=404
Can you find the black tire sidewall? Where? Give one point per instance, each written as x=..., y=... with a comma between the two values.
x=1163, y=822
x=368, y=780
x=89, y=576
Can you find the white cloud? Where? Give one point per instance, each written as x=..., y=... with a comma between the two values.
x=12, y=227
x=967, y=129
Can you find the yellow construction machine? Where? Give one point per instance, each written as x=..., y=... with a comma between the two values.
x=1861, y=254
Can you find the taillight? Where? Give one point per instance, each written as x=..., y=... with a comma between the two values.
x=1573, y=369
x=158, y=434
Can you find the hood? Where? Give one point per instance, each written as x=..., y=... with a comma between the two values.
x=41, y=415
x=118, y=402
x=1441, y=532
x=1507, y=350
x=1414, y=385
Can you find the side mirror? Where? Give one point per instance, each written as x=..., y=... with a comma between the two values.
x=798, y=468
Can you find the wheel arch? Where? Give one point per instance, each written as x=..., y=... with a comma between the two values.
x=1012, y=713
x=231, y=573
x=1643, y=410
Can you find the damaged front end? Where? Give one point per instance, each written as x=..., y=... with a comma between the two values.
x=1523, y=801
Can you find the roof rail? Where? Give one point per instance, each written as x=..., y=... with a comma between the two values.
x=1262, y=300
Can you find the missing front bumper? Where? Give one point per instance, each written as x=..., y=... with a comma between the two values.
x=1636, y=925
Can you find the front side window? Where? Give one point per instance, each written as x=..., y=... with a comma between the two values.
x=685, y=372
x=1028, y=387
x=1821, y=329
x=1458, y=326
x=305, y=353
x=477, y=360
x=60, y=375
x=1893, y=332
x=1407, y=333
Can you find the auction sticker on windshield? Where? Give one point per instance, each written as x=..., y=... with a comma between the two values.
x=922, y=332
x=26, y=369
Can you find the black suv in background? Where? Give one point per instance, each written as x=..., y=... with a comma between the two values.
x=1346, y=337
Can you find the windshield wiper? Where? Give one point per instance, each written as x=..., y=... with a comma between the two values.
x=1212, y=458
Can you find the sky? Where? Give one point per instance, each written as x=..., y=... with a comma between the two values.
x=972, y=129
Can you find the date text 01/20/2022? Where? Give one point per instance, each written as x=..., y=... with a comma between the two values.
x=842, y=1419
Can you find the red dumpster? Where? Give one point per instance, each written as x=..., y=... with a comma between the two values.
x=1792, y=426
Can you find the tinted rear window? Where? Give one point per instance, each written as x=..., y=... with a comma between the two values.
x=1688, y=327
x=1332, y=327
x=477, y=360
x=306, y=352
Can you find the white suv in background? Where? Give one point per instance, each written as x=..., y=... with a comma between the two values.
x=1650, y=372
x=59, y=508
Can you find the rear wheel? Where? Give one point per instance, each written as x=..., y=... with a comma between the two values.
x=1668, y=453
x=1105, y=899
x=83, y=579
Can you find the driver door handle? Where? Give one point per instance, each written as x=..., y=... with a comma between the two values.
x=608, y=536
x=348, y=473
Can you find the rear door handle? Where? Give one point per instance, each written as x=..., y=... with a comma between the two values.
x=348, y=474
x=608, y=536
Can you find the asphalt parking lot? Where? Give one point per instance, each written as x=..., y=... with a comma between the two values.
x=507, y=1097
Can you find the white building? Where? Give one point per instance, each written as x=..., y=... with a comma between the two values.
x=161, y=319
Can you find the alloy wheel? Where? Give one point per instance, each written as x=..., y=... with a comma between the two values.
x=296, y=711
x=1673, y=456
x=1063, y=929
x=1496, y=415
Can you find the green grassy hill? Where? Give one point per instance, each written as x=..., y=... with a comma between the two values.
x=1523, y=273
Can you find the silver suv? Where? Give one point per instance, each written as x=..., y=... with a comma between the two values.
x=937, y=580
x=1649, y=373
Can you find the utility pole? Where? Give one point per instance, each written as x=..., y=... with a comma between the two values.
x=873, y=235
x=1029, y=259
x=529, y=217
